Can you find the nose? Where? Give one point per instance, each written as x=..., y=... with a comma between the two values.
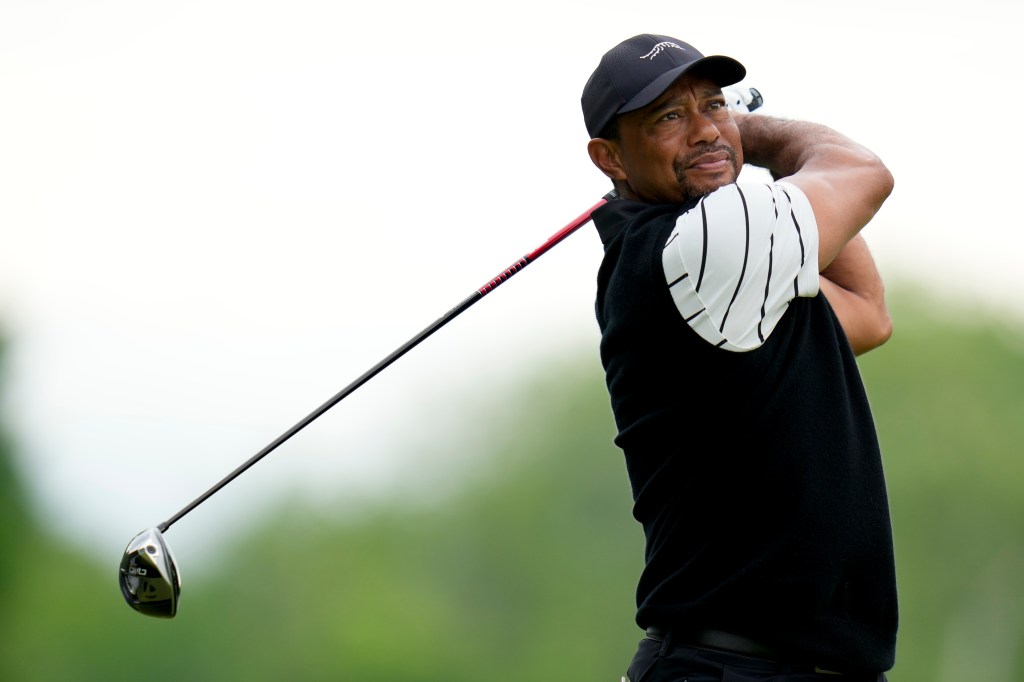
x=702, y=131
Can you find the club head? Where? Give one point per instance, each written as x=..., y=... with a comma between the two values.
x=149, y=576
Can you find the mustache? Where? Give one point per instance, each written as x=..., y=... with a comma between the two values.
x=680, y=165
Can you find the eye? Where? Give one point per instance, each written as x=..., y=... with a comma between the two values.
x=671, y=116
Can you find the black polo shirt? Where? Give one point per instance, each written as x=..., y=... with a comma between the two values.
x=749, y=443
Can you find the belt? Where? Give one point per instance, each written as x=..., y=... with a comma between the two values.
x=717, y=639
x=725, y=641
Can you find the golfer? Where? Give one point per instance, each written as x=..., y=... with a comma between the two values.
x=730, y=317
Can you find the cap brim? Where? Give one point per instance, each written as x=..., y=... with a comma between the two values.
x=720, y=69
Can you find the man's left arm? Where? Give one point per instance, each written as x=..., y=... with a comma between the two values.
x=854, y=289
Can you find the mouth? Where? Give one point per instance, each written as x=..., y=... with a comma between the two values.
x=712, y=162
x=706, y=170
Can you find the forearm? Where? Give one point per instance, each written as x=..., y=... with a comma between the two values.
x=854, y=288
x=785, y=147
x=845, y=183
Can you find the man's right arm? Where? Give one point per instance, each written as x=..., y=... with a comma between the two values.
x=844, y=182
x=845, y=185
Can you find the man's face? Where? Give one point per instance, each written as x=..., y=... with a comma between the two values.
x=685, y=144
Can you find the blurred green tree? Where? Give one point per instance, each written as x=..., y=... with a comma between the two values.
x=948, y=395
x=13, y=511
x=14, y=518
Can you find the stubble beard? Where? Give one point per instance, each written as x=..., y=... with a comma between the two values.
x=694, y=190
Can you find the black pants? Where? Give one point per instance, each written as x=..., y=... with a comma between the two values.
x=667, y=662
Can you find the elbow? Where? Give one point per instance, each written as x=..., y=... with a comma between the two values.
x=887, y=181
x=883, y=330
x=883, y=179
x=873, y=335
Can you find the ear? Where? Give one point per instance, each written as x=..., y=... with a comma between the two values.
x=605, y=155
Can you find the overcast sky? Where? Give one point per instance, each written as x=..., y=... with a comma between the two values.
x=214, y=215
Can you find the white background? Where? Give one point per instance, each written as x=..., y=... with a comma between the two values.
x=214, y=215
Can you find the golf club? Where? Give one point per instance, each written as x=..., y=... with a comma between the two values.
x=149, y=578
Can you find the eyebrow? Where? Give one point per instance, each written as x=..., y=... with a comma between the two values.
x=675, y=101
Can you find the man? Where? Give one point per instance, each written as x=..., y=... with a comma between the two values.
x=729, y=359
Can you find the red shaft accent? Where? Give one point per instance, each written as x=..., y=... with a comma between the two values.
x=576, y=224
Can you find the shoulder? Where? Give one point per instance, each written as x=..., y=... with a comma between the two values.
x=617, y=217
x=737, y=258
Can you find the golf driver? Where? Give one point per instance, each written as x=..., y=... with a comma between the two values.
x=149, y=578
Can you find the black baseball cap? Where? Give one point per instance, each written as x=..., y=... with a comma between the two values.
x=635, y=72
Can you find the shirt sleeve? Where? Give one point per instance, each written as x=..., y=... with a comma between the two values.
x=735, y=261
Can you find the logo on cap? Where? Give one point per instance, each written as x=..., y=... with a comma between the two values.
x=656, y=50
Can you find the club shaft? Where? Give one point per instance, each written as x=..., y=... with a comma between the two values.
x=579, y=222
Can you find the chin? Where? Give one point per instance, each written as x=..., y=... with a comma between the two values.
x=694, y=190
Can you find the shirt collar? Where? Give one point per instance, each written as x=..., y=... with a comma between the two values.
x=613, y=217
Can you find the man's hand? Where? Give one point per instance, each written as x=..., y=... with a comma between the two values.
x=742, y=99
